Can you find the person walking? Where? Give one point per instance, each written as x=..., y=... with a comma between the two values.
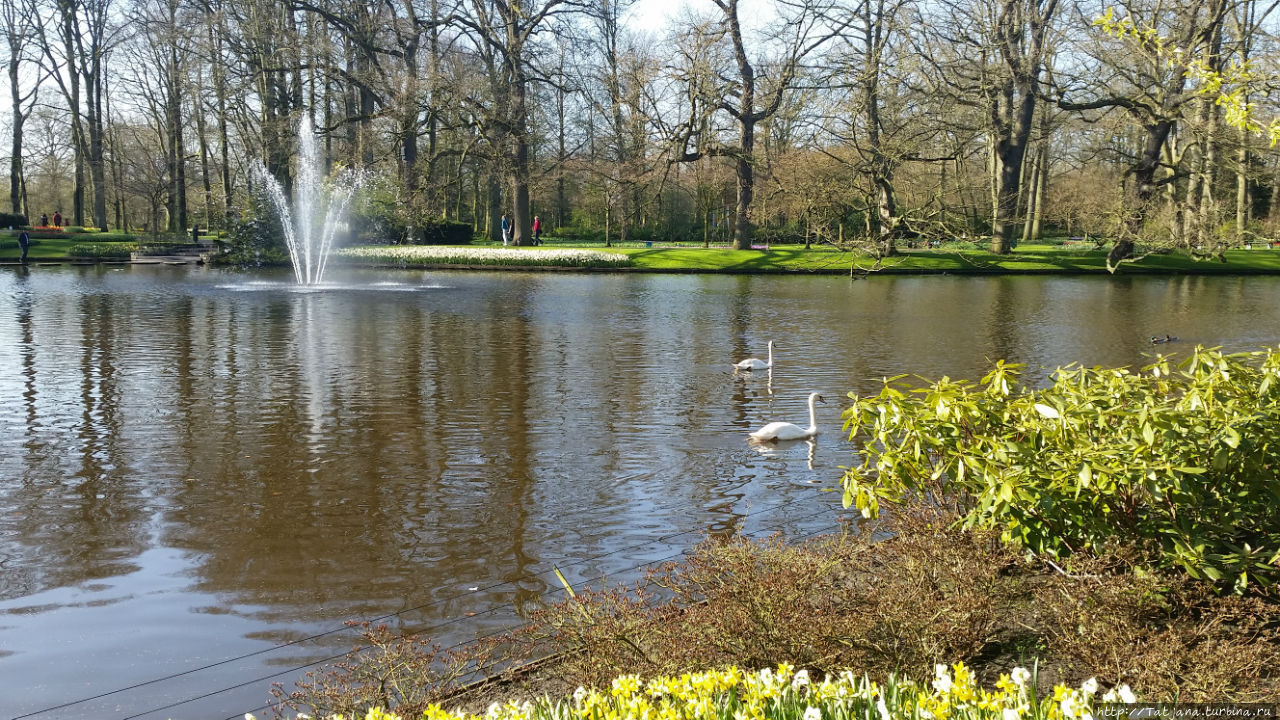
x=57, y=219
x=506, y=229
x=44, y=220
x=537, y=230
x=24, y=242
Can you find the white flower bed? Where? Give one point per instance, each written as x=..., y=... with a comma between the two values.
x=450, y=255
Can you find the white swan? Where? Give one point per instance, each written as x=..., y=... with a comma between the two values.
x=756, y=363
x=790, y=431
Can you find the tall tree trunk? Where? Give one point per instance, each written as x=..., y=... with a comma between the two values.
x=18, y=119
x=1242, y=188
x=409, y=117
x=1021, y=32
x=884, y=222
x=1143, y=183
x=562, y=155
x=520, y=159
x=1187, y=214
x=177, y=144
x=206, y=175
x=1208, y=217
x=1010, y=151
x=217, y=68
x=70, y=27
x=493, y=208
x=1042, y=187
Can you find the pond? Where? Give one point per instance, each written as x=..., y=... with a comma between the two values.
x=204, y=474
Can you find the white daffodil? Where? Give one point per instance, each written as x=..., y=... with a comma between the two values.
x=882, y=709
x=1090, y=686
x=812, y=713
x=942, y=679
x=1020, y=676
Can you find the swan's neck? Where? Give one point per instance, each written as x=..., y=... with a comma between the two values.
x=770, y=354
x=813, y=415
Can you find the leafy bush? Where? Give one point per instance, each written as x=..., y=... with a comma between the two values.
x=578, y=235
x=12, y=220
x=787, y=235
x=258, y=239
x=1180, y=461
x=390, y=214
x=438, y=231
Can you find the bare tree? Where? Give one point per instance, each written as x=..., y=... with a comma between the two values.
x=19, y=20
x=802, y=27
x=991, y=56
x=504, y=32
x=1136, y=75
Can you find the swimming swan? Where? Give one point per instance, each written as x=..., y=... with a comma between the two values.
x=789, y=431
x=756, y=363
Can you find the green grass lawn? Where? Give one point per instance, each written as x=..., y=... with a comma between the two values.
x=48, y=249
x=1026, y=259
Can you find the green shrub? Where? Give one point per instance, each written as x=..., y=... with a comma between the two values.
x=387, y=213
x=255, y=240
x=438, y=231
x=1179, y=460
x=12, y=220
x=576, y=234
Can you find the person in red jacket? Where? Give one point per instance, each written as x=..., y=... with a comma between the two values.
x=537, y=230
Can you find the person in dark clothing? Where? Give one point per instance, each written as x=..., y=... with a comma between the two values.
x=44, y=220
x=57, y=219
x=24, y=242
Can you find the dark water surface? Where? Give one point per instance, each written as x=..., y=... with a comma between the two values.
x=197, y=467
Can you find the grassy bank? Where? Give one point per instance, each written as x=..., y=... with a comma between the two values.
x=1037, y=259
x=67, y=244
x=1027, y=259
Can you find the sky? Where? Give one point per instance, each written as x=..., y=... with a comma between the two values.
x=653, y=15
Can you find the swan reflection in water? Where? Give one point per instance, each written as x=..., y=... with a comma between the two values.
x=772, y=450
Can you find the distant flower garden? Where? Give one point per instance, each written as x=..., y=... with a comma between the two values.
x=784, y=694
x=418, y=255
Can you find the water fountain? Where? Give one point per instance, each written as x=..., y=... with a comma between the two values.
x=316, y=212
